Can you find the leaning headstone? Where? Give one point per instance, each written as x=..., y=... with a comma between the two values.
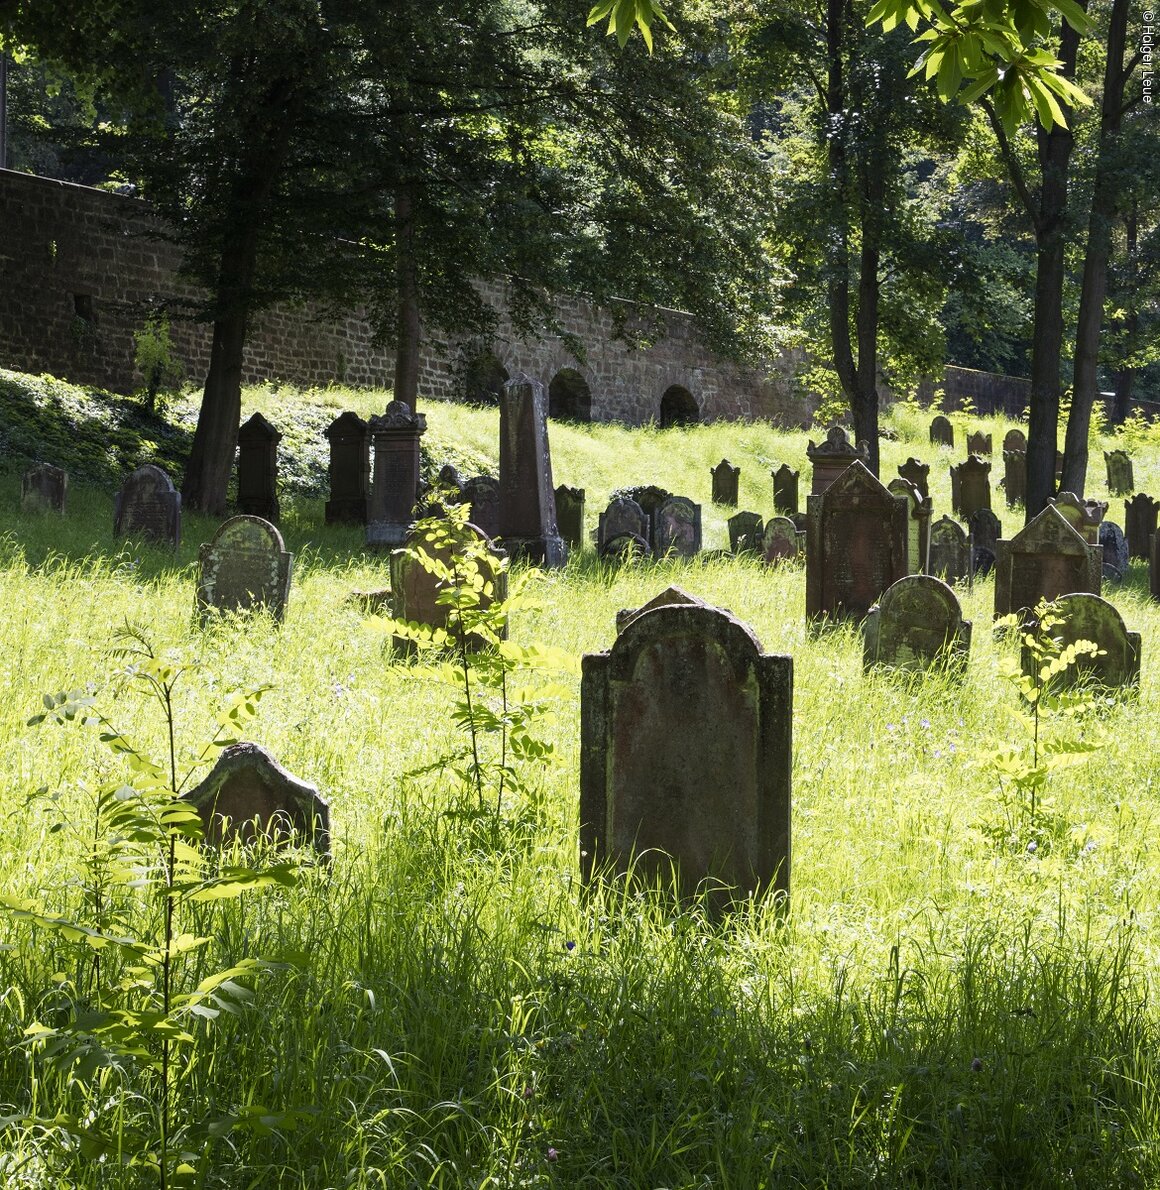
x=831, y=457
x=1084, y=616
x=916, y=473
x=745, y=532
x=1084, y=516
x=685, y=755
x=395, y=486
x=979, y=443
x=676, y=528
x=974, y=486
x=482, y=493
x=570, y=515
x=527, y=497
x=1045, y=559
x=258, y=468
x=780, y=540
x=248, y=795
x=950, y=551
x=1015, y=477
x=1115, y=546
x=350, y=469
x=1121, y=481
x=1015, y=440
x=918, y=536
x=148, y=505
x=726, y=478
x=917, y=625
x=245, y=566
x=942, y=433
x=623, y=516
x=43, y=488
x=1140, y=515
x=856, y=544
x=985, y=529
x=785, y=490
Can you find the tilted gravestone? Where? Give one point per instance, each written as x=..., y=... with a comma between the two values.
x=248, y=795
x=979, y=443
x=785, y=490
x=856, y=544
x=245, y=566
x=1015, y=477
x=570, y=515
x=974, y=486
x=1121, y=481
x=950, y=551
x=676, y=528
x=780, y=540
x=258, y=468
x=1115, y=547
x=350, y=469
x=918, y=524
x=745, y=532
x=918, y=626
x=1140, y=514
x=1084, y=616
x=942, y=433
x=726, y=478
x=1045, y=559
x=527, y=497
x=685, y=755
x=148, y=505
x=1015, y=440
x=395, y=485
x=623, y=516
x=831, y=457
x=482, y=493
x=43, y=488
x=1084, y=516
x=984, y=529
x=916, y=473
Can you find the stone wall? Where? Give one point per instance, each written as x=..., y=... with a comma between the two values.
x=988, y=392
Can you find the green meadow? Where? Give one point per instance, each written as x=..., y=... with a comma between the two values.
x=962, y=992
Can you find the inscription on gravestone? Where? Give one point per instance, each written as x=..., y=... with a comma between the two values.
x=148, y=505
x=1046, y=559
x=676, y=528
x=780, y=540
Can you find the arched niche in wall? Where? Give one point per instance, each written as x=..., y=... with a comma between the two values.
x=484, y=380
x=569, y=397
x=678, y=407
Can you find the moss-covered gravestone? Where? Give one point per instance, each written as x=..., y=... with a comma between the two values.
x=245, y=566
x=676, y=528
x=148, y=505
x=1083, y=616
x=1121, y=480
x=745, y=532
x=623, y=517
x=917, y=626
x=1046, y=559
x=950, y=551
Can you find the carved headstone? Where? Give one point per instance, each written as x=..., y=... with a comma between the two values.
x=918, y=625
x=350, y=469
x=245, y=566
x=1045, y=559
x=570, y=515
x=622, y=516
x=726, y=478
x=974, y=486
x=985, y=529
x=918, y=474
x=395, y=486
x=1120, y=478
x=950, y=551
x=249, y=795
x=527, y=498
x=258, y=468
x=856, y=544
x=1084, y=516
x=942, y=433
x=1015, y=440
x=43, y=488
x=979, y=443
x=148, y=505
x=1115, y=546
x=918, y=536
x=1140, y=515
x=780, y=540
x=676, y=528
x=785, y=490
x=831, y=457
x=1015, y=477
x=745, y=532
x=685, y=755
x=669, y=597
x=482, y=493
x=1085, y=616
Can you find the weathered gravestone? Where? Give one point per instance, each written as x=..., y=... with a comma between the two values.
x=685, y=755
x=258, y=468
x=482, y=493
x=950, y=551
x=395, y=486
x=676, y=528
x=623, y=516
x=1015, y=440
x=856, y=544
x=918, y=535
x=527, y=498
x=984, y=529
x=1084, y=516
x=726, y=478
x=831, y=457
x=1015, y=477
x=245, y=566
x=785, y=490
x=979, y=443
x=745, y=532
x=43, y=488
x=918, y=625
x=1140, y=515
x=780, y=540
x=570, y=515
x=1115, y=547
x=974, y=486
x=248, y=795
x=1084, y=616
x=942, y=433
x=1121, y=481
x=350, y=469
x=1045, y=559
x=669, y=597
x=916, y=473
x=625, y=547
x=148, y=505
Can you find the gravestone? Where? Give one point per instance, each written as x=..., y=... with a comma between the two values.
x=448, y=478
x=148, y=505
x=1140, y=515
x=248, y=795
x=856, y=544
x=623, y=516
x=1085, y=616
x=918, y=474
x=1015, y=477
x=780, y=540
x=831, y=457
x=258, y=468
x=1154, y=567
x=1015, y=440
x=974, y=486
x=527, y=498
x=918, y=535
x=745, y=532
x=984, y=529
x=950, y=551
x=917, y=626
x=979, y=443
x=785, y=490
x=1084, y=516
x=685, y=755
x=482, y=493
x=942, y=433
x=570, y=515
x=43, y=488
x=1115, y=547
x=625, y=547
x=669, y=597
x=1045, y=559
x=245, y=566
x=1121, y=481
x=676, y=528
x=395, y=485
x=726, y=478
x=350, y=469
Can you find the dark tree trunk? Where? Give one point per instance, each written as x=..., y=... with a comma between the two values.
x=1130, y=323
x=864, y=402
x=407, y=276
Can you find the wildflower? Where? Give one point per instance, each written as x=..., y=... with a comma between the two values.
x=1032, y=847
x=569, y=945
x=551, y=1154
x=924, y=723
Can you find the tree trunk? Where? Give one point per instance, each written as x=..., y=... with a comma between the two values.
x=864, y=403
x=407, y=276
x=1130, y=323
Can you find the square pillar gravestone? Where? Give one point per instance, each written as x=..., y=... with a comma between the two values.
x=395, y=486
x=917, y=473
x=1121, y=480
x=726, y=479
x=43, y=488
x=1045, y=559
x=973, y=486
x=245, y=566
x=350, y=469
x=979, y=443
x=149, y=506
x=950, y=551
x=676, y=528
x=785, y=490
x=942, y=433
x=1015, y=477
x=527, y=498
x=831, y=457
x=1084, y=616
x=482, y=493
x=1084, y=516
x=917, y=626
x=1140, y=515
x=918, y=538
x=570, y=515
x=258, y=468
x=685, y=755
x=745, y=532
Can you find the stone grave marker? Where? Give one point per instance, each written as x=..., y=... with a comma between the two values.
x=1084, y=516
x=685, y=755
x=1140, y=514
x=942, y=433
x=1015, y=440
x=726, y=479
x=482, y=493
x=570, y=515
x=984, y=529
x=918, y=536
x=1015, y=477
x=1045, y=559
x=669, y=597
x=745, y=532
x=623, y=516
x=916, y=473
x=785, y=490
x=950, y=551
x=43, y=488
x=1115, y=546
x=148, y=505
x=917, y=626
x=831, y=457
x=249, y=795
x=856, y=544
x=1088, y=617
x=350, y=469
x=527, y=497
x=245, y=566
x=395, y=485
x=448, y=477
x=1154, y=567
x=1121, y=481
x=974, y=486
x=258, y=468
x=979, y=443
x=781, y=540
x=676, y=528
x=625, y=547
